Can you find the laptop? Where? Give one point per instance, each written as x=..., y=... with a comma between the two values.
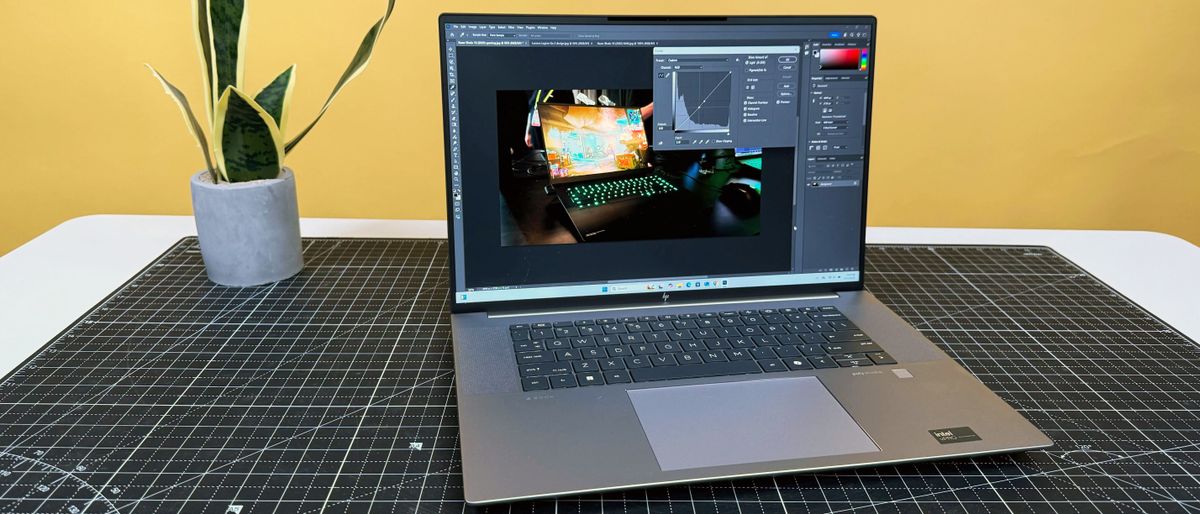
x=586, y=366
x=598, y=161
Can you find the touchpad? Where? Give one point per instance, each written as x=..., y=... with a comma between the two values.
x=744, y=422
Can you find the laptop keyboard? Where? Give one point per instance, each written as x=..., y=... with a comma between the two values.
x=625, y=350
x=601, y=193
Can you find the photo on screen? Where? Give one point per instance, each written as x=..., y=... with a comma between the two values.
x=577, y=166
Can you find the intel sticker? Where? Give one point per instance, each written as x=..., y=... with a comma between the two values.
x=954, y=435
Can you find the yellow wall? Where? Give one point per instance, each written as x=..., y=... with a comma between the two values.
x=991, y=114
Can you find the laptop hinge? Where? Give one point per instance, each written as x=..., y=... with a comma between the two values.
x=627, y=307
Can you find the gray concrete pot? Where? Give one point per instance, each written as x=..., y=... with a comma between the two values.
x=249, y=231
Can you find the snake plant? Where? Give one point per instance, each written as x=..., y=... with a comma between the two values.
x=247, y=131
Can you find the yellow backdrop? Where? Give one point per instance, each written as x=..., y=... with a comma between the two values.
x=989, y=114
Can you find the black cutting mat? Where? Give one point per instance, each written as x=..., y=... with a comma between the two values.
x=333, y=392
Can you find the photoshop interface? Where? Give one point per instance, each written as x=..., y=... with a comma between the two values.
x=713, y=92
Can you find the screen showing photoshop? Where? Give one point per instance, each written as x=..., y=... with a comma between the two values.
x=608, y=159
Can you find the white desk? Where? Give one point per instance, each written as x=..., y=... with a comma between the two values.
x=50, y=281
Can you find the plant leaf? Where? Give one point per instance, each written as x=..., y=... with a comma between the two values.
x=204, y=45
x=188, y=117
x=249, y=146
x=227, y=28
x=276, y=97
x=357, y=65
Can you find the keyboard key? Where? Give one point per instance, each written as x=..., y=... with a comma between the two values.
x=535, y=384
x=519, y=326
x=528, y=346
x=590, y=330
x=818, y=327
x=534, y=357
x=822, y=362
x=611, y=364
x=608, y=340
x=750, y=330
x=562, y=381
x=708, y=314
x=837, y=349
x=655, y=337
x=540, y=325
x=714, y=356
x=881, y=358
x=668, y=317
x=764, y=341
x=567, y=355
x=519, y=335
x=533, y=370
x=617, y=377
x=731, y=322
x=588, y=365
x=661, y=326
x=772, y=365
x=692, y=346
x=747, y=312
x=717, y=344
x=541, y=333
x=619, y=351
x=644, y=349
x=558, y=324
x=684, y=324
x=637, y=362
x=813, y=350
x=580, y=342
x=794, y=328
x=812, y=338
x=846, y=337
x=606, y=321
x=865, y=347
x=788, y=351
x=826, y=316
x=679, y=335
x=668, y=347
x=853, y=363
x=703, y=333
x=763, y=353
x=727, y=332
x=715, y=369
x=689, y=358
x=614, y=329
x=590, y=379
x=557, y=344
x=797, y=363
x=627, y=319
x=741, y=342
x=663, y=360
x=593, y=353
x=753, y=320
x=647, y=318
x=842, y=324
x=584, y=322
x=738, y=355
x=637, y=327
x=632, y=338
x=790, y=339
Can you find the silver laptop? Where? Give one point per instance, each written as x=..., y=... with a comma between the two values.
x=711, y=321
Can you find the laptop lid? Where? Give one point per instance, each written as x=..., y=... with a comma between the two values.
x=765, y=120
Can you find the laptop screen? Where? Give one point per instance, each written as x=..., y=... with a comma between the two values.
x=588, y=157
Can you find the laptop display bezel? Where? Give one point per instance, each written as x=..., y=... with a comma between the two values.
x=677, y=296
